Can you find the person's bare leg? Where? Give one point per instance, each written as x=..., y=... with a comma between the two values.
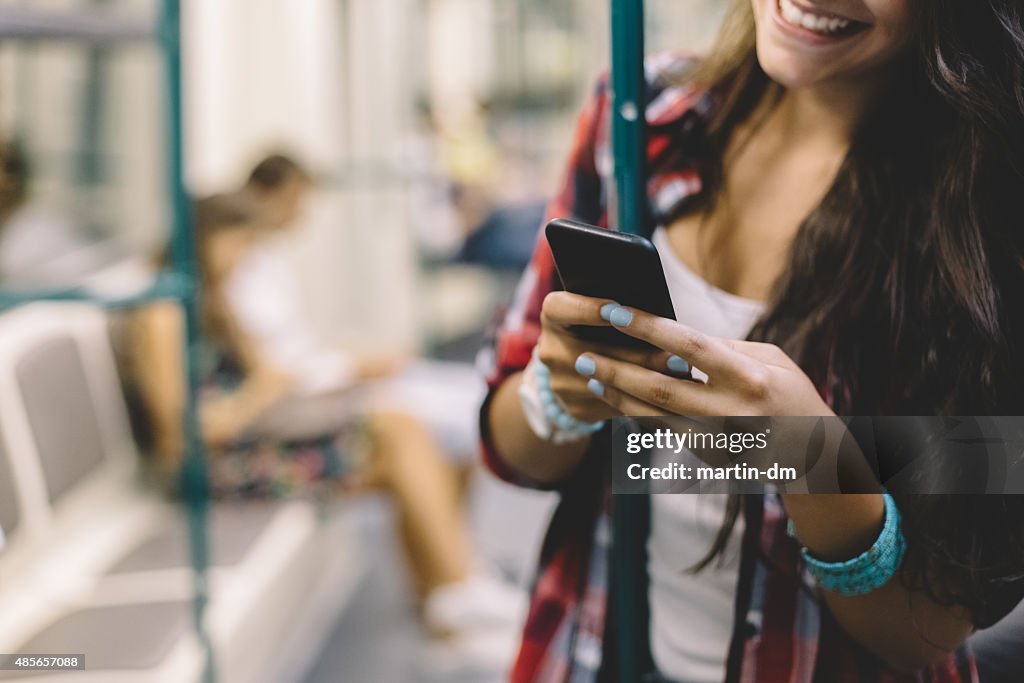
x=464, y=477
x=407, y=462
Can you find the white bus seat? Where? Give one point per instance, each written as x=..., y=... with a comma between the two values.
x=60, y=412
x=115, y=637
x=234, y=529
x=103, y=554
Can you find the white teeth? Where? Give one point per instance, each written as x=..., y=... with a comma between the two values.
x=812, y=22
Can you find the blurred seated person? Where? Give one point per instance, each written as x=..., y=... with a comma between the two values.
x=473, y=201
x=506, y=238
x=283, y=414
x=43, y=248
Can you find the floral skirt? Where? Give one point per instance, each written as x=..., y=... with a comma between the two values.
x=266, y=469
x=314, y=460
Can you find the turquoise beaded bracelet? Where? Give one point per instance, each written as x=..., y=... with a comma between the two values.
x=554, y=410
x=870, y=570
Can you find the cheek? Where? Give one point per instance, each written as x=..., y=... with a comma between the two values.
x=886, y=46
x=895, y=26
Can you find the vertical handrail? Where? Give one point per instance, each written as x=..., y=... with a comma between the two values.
x=628, y=124
x=629, y=144
x=194, y=475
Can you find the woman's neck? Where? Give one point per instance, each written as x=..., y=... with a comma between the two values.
x=828, y=113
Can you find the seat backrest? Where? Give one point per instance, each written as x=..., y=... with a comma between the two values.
x=60, y=411
x=62, y=414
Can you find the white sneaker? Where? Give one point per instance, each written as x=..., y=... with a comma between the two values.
x=478, y=603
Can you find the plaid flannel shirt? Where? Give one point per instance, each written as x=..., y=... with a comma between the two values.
x=782, y=632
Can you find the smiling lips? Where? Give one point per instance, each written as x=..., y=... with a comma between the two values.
x=820, y=23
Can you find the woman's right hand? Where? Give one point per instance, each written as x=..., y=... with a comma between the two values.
x=558, y=348
x=225, y=418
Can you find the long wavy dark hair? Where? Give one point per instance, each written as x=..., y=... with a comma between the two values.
x=921, y=236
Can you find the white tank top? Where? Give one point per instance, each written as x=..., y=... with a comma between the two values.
x=692, y=615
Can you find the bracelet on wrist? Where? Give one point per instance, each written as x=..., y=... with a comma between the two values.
x=870, y=570
x=544, y=412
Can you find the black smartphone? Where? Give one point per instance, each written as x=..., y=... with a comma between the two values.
x=607, y=264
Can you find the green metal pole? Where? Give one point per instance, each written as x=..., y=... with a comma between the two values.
x=91, y=166
x=194, y=475
x=630, y=520
x=628, y=124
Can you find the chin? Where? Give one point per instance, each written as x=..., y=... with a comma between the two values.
x=786, y=69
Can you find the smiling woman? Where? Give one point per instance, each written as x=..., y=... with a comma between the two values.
x=836, y=194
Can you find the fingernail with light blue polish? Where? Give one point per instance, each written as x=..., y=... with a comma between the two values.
x=595, y=387
x=586, y=366
x=620, y=317
x=606, y=310
x=677, y=364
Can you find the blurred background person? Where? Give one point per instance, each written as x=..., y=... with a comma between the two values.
x=283, y=414
x=43, y=247
x=39, y=245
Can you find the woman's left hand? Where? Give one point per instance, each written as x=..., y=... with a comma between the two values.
x=744, y=378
